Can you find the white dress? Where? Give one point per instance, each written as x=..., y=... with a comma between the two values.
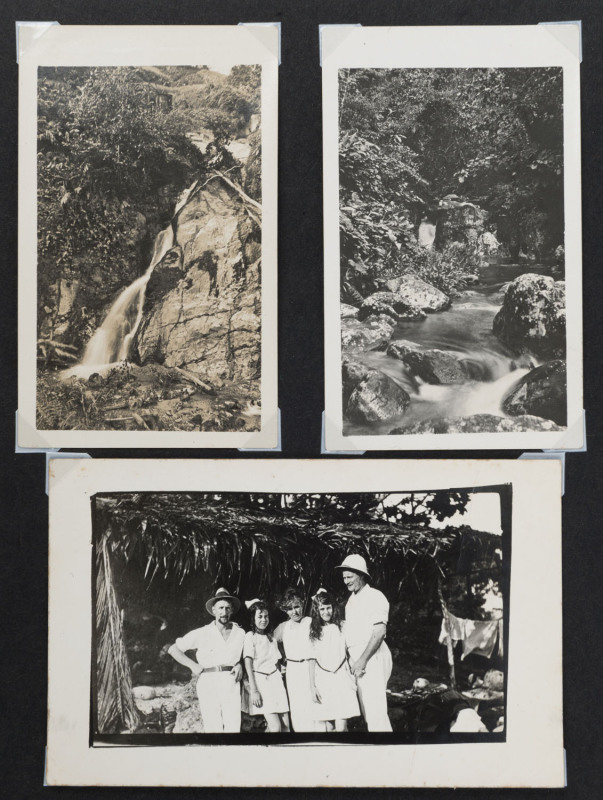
x=334, y=682
x=265, y=655
x=295, y=637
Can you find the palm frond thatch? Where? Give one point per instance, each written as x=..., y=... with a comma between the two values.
x=115, y=708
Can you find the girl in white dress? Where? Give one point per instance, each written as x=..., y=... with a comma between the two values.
x=332, y=685
x=264, y=689
x=293, y=635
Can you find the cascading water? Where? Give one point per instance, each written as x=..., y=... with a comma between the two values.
x=111, y=343
x=464, y=330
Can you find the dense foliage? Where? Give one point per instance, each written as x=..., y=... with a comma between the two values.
x=411, y=138
x=114, y=152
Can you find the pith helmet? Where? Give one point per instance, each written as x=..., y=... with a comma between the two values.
x=355, y=563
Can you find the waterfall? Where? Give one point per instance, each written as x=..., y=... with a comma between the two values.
x=426, y=234
x=111, y=342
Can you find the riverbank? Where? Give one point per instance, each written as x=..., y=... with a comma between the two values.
x=449, y=365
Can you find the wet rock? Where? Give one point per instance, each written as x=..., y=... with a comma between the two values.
x=479, y=423
x=436, y=366
x=542, y=392
x=391, y=304
x=532, y=316
x=376, y=399
x=348, y=312
x=352, y=373
x=165, y=275
x=413, y=290
x=374, y=332
x=209, y=322
x=399, y=348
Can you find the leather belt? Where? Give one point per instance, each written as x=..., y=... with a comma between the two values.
x=297, y=660
x=259, y=672
x=216, y=669
x=332, y=671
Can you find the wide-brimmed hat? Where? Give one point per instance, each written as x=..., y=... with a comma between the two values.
x=355, y=563
x=223, y=594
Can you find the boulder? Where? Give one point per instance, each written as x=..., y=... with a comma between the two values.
x=542, y=392
x=374, y=332
x=413, y=290
x=208, y=322
x=391, y=304
x=479, y=423
x=399, y=348
x=532, y=316
x=352, y=373
x=348, y=312
x=377, y=398
x=436, y=366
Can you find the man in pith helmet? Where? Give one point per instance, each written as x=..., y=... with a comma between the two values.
x=366, y=616
x=218, y=649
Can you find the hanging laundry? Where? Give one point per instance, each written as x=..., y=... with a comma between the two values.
x=477, y=636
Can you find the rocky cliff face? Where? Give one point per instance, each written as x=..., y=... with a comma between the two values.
x=203, y=306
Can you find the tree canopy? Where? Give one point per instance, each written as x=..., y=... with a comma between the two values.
x=410, y=137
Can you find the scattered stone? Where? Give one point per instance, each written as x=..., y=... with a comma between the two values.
x=479, y=423
x=352, y=373
x=374, y=332
x=436, y=366
x=391, y=304
x=415, y=291
x=532, y=316
x=348, y=312
x=377, y=398
x=399, y=348
x=542, y=392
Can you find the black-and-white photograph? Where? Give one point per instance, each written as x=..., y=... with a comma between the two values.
x=452, y=250
x=149, y=248
x=454, y=217
x=304, y=615
x=148, y=237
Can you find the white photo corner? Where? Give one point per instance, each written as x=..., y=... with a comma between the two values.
x=452, y=237
x=151, y=560
x=147, y=236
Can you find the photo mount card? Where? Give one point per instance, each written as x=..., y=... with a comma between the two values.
x=452, y=213
x=152, y=545
x=147, y=236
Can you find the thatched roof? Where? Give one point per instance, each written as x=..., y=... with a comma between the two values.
x=175, y=535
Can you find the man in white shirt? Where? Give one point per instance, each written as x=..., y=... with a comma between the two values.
x=219, y=648
x=366, y=615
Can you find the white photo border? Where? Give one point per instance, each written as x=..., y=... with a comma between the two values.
x=532, y=754
x=453, y=47
x=129, y=45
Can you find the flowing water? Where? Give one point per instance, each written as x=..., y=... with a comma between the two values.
x=465, y=330
x=111, y=343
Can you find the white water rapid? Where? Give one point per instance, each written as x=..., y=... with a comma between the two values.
x=111, y=343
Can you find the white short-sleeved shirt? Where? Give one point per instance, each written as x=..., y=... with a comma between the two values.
x=363, y=611
x=263, y=651
x=212, y=650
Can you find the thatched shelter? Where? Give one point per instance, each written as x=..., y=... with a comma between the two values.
x=260, y=544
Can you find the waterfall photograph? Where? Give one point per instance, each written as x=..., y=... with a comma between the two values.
x=149, y=245
x=452, y=251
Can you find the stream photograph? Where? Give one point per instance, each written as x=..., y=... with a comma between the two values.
x=149, y=226
x=452, y=250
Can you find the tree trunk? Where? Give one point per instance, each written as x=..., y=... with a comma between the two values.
x=116, y=711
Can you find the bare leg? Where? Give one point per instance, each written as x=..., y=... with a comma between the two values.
x=285, y=722
x=274, y=723
x=341, y=725
x=329, y=726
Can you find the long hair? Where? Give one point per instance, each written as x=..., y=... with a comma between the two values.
x=261, y=606
x=316, y=625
